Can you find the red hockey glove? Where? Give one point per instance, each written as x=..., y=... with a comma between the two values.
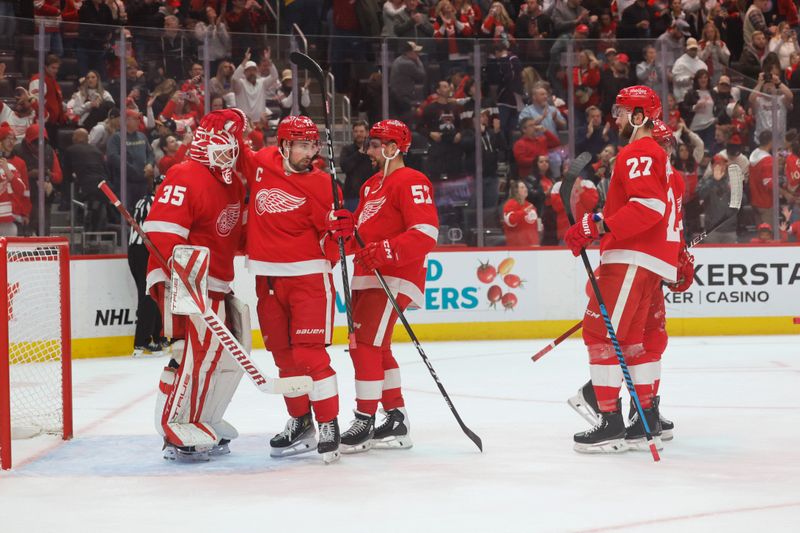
x=582, y=233
x=340, y=223
x=376, y=254
x=685, y=272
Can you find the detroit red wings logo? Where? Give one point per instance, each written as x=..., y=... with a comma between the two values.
x=276, y=201
x=371, y=208
x=227, y=219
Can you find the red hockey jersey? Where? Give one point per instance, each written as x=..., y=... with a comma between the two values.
x=520, y=223
x=761, y=179
x=792, y=172
x=11, y=189
x=286, y=217
x=641, y=211
x=194, y=207
x=399, y=208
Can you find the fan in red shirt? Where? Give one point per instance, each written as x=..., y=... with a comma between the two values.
x=640, y=244
x=761, y=178
x=536, y=140
x=397, y=220
x=520, y=219
x=290, y=253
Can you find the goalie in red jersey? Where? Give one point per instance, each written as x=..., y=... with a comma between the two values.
x=640, y=240
x=397, y=220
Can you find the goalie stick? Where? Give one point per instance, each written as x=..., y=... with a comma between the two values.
x=737, y=183
x=297, y=384
x=305, y=62
x=568, y=182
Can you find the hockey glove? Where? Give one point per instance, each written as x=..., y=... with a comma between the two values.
x=340, y=223
x=582, y=233
x=376, y=255
x=685, y=272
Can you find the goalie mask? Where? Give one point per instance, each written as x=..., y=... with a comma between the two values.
x=217, y=140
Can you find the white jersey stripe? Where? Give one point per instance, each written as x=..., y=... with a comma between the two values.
x=427, y=229
x=653, y=203
x=158, y=226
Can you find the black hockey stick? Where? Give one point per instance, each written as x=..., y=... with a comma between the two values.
x=305, y=62
x=737, y=183
x=568, y=182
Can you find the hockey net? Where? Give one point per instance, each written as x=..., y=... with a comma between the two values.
x=35, y=366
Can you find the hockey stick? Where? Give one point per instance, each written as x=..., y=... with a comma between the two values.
x=468, y=432
x=305, y=62
x=737, y=183
x=297, y=384
x=575, y=169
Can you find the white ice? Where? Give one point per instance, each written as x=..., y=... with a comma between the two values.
x=731, y=467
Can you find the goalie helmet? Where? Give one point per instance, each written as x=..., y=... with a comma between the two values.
x=217, y=141
x=638, y=98
x=297, y=128
x=392, y=131
x=663, y=134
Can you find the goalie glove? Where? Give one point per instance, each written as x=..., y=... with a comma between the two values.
x=376, y=255
x=340, y=223
x=685, y=272
x=582, y=233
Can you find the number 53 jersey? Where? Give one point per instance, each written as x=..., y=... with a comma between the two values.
x=399, y=208
x=643, y=211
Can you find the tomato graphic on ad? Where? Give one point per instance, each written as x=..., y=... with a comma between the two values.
x=509, y=300
x=494, y=295
x=486, y=273
x=513, y=281
x=506, y=266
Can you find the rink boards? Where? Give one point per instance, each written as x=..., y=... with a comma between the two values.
x=539, y=293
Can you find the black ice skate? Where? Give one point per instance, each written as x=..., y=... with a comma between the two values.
x=634, y=434
x=666, y=425
x=585, y=404
x=297, y=437
x=186, y=454
x=329, y=439
x=359, y=437
x=394, y=432
x=221, y=448
x=608, y=436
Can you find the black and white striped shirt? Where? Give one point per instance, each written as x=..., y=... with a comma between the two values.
x=139, y=215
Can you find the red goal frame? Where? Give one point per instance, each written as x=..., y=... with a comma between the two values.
x=66, y=339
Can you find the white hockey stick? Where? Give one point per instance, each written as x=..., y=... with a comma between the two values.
x=298, y=384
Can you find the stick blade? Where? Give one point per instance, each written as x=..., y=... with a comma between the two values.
x=305, y=62
x=568, y=182
x=736, y=179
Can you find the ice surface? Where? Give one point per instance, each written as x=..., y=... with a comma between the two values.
x=731, y=467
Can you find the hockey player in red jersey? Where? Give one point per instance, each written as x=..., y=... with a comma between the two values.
x=289, y=251
x=397, y=220
x=200, y=203
x=655, y=333
x=640, y=239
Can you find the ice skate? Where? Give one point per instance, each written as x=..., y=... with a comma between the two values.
x=635, y=436
x=329, y=439
x=151, y=349
x=359, y=437
x=297, y=437
x=608, y=436
x=394, y=432
x=220, y=449
x=185, y=454
x=666, y=425
x=585, y=404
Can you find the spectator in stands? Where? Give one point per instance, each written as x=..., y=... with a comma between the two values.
x=686, y=159
x=784, y=44
x=536, y=140
x=520, y=219
x=533, y=22
x=28, y=151
x=416, y=23
x=222, y=84
x=450, y=29
x=507, y=75
x=406, y=73
x=48, y=12
x=21, y=115
x=613, y=80
x=761, y=179
x=140, y=160
x=94, y=36
x=753, y=55
x=493, y=148
x=539, y=183
x=439, y=122
x=251, y=91
x=724, y=95
x=174, y=151
x=602, y=173
x=185, y=108
x=21, y=199
x=219, y=41
x=672, y=42
x=714, y=52
x=498, y=25
x=558, y=60
x=595, y=135
x=761, y=104
x=103, y=131
x=177, y=50
x=13, y=185
x=649, y=71
x=356, y=164
x=53, y=99
x=163, y=129
x=8, y=24
x=586, y=81
x=606, y=32
x=394, y=14
x=246, y=16
x=698, y=107
x=685, y=68
x=91, y=102
x=715, y=193
x=567, y=15
x=84, y=164
x=542, y=110
x=636, y=20
x=285, y=97
x=754, y=20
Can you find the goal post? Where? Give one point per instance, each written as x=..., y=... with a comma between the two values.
x=35, y=340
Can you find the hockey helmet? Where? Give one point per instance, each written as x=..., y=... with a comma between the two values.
x=297, y=128
x=392, y=131
x=663, y=134
x=217, y=141
x=638, y=98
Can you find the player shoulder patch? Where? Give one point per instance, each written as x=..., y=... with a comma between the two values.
x=227, y=219
x=277, y=201
x=371, y=208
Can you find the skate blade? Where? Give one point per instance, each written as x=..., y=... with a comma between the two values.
x=356, y=448
x=609, y=446
x=299, y=447
x=641, y=445
x=330, y=457
x=666, y=435
x=583, y=409
x=394, y=442
x=220, y=450
x=172, y=454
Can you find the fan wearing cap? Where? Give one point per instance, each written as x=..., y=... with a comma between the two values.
x=199, y=203
x=684, y=69
x=673, y=41
x=28, y=151
x=289, y=251
x=13, y=188
x=284, y=94
x=640, y=236
x=397, y=219
x=251, y=91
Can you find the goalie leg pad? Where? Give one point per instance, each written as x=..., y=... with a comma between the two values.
x=193, y=261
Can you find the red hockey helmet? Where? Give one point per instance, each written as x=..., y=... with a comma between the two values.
x=297, y=128
x=392, y=131
x=639, y=98
x=662, y=133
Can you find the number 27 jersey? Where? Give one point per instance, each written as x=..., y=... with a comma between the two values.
x=642, y=211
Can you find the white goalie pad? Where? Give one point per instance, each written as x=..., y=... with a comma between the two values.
x=194, y=261
x=239, y=316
